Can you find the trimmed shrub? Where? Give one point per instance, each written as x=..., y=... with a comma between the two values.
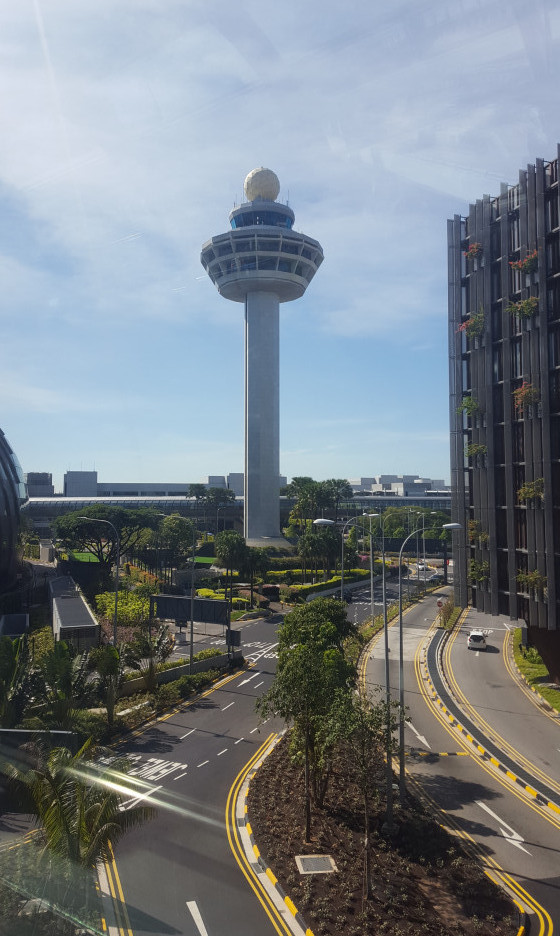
x=166, y=696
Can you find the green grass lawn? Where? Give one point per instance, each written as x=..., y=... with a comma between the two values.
x=534, y=672
x=204, y=560
x=83, y=556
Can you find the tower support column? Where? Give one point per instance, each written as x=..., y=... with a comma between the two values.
x=262, y=417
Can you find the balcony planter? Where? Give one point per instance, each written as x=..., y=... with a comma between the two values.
x=528, y=265
x=473, y=326
x=531, y=490
x=469, y=406
x=475, y=448
x=478, y=571
x=531, y=580
x=473, y=252
x=525, y=308
x=525, y=395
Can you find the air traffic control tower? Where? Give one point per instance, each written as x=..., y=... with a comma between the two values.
x=262, y=262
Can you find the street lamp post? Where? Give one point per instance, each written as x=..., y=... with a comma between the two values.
x=117, y=540
x=322, y=521
x=402, y=787
x=388, y=731
x=370, y=516
x=192, y=599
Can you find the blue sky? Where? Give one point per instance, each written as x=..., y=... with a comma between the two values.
x=128, y=127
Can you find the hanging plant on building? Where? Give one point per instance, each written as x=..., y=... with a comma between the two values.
x=531, y=490
x=473, y=251
x=476, y=533
x=478, y=571
x=473, y=326
x=525, y=395
x=525, y=308
x=469, y=406
x=534, y=579
x=475, y=448
x=528, y=265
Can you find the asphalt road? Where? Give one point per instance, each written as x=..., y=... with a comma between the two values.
x=483, y=682
x=181, y=862
x=509, y=829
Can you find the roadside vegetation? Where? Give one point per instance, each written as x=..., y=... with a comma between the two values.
x=530, y=664
x=47, y=686
x=322, y=791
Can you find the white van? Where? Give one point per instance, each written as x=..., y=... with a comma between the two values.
x=476, y=640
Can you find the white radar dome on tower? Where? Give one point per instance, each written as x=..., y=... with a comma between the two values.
x=261, y=183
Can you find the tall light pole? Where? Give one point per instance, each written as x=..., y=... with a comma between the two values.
x=388, y=731
x=371, y=593
x=117, y=540
x=402, y=788
x=322, y=521
x=192, y=598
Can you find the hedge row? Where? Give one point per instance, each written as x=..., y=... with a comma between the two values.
x=300, y=592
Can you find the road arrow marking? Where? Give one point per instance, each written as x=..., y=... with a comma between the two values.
x=195, y=913
x=128, y=804
x=244, y=681
x=511, y=836
x=418, y=735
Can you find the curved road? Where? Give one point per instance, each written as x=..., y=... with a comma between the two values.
x=178, y=873
x=517, y=839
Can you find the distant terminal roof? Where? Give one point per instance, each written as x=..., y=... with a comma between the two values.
x=53, y=506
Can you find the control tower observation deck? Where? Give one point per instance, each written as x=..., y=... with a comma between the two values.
x=262, y=262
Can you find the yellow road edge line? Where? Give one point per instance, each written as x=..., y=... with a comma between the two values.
x=508, y=881
x=238, y=851
x=124, y=910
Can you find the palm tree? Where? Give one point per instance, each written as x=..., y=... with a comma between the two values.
x=230, y=551
x=77, y=802
x=65, y=682
x=107, y=663
x=18, y=682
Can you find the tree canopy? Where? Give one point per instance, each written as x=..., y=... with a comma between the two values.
x=132, y=526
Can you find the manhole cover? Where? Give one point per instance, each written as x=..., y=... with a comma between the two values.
x=315, y=864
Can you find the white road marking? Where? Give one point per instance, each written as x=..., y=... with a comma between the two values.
x=182, y=738
x=258, y=684
x=180, y=775
x=510, y=835
x=227, y=706
x=249, y=678
x=418, y=735
x=195, y=913
x=239, y=739
x=203, y=763
x=253, y=730
x=128, y=804
x=222, y=752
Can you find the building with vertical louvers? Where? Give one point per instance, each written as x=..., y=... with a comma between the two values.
x=504, y=343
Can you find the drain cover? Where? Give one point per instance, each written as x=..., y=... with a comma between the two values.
x=315, y=864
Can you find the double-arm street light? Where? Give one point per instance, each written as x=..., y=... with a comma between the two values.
x=117, y=541
x=402, y=788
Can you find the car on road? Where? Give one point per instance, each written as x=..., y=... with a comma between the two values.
x=476, y=640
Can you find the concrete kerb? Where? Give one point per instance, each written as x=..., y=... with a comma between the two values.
x=268, y=880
